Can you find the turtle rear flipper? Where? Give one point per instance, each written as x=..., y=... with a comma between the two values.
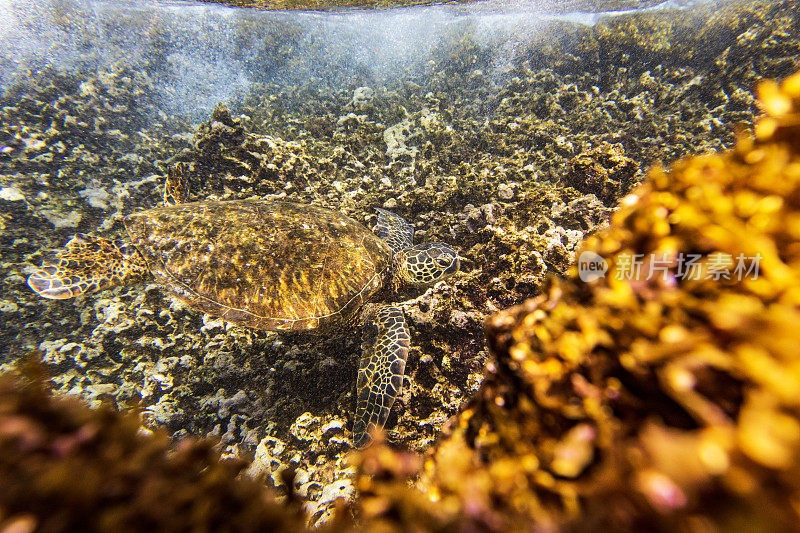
x=86, y=264
x=57, y=283
x=380, y=372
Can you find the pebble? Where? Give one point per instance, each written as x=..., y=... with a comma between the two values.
x=60, y=220
x=11, y=194
x=505, y=192
x=8, y=307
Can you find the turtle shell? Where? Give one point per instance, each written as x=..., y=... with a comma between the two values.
x=269, y=265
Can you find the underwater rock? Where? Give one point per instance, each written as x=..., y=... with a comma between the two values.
x=11, y=194
x=362, y=97
x=63, y=220
x=396, y=138
x=604, y=172
x=227, y=157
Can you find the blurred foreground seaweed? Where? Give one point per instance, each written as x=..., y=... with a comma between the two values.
x=668, y=403
x=64, y=467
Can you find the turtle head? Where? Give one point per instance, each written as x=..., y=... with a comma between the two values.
x=426, y=264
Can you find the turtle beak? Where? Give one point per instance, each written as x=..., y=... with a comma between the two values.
x=453, y=268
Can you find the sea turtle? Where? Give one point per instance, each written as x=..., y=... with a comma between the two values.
x=270, y=265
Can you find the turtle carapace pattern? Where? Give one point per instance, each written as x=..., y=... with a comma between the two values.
x=276, y=266
x=270, y=265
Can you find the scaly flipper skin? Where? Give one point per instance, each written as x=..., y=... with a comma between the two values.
x=394, y=230
x=380, y=373
x=87, y=264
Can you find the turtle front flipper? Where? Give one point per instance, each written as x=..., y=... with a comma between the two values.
x=380, y=372
x=87, y=264
x=394, y=230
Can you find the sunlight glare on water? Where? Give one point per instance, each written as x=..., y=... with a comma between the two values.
x=208, y=53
